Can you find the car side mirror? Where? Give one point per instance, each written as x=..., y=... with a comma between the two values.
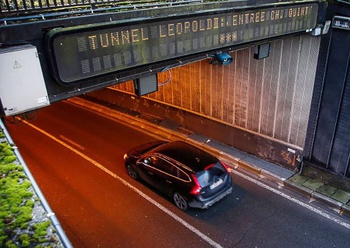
x=142, y=161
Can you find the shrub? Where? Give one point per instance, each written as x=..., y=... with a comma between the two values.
x=17, y=226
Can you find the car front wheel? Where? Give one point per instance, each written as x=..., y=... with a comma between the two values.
x=131, y=171
x=180, y=201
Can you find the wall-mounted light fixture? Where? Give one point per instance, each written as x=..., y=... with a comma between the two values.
x=222, y=58
x=262, y=51
x=146, y=84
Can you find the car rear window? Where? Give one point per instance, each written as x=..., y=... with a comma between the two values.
x=207, y=176
x=186, y=154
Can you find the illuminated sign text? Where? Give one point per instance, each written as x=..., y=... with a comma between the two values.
x=86, y=52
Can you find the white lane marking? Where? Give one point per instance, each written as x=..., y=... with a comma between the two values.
x=71, y=142
x=98, y=165
x=303, y=204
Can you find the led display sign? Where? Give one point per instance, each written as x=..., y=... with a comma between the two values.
x=341, y=22
x=83, y=52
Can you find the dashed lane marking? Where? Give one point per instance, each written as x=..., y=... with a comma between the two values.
x=139, y=192
x=71, y=142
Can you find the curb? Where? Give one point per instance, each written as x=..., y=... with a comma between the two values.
x=244, y=164
x=312, y=195
x=345, y=210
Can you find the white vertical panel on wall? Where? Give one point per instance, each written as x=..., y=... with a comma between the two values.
x=279, y=90
x=270, y=87
x=241, y=87
x=270, y=97
x=304, y=84
x=285, y=90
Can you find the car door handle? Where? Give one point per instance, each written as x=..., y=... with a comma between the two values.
x=151, y=173
x=170, y=182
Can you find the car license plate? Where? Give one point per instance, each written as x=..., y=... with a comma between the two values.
x=214, y=185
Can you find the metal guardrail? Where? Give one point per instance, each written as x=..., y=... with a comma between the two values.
x=344, y=1
x=34, y=6
x=50, y=214
x=24, y=10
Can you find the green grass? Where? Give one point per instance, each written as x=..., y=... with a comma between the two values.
x=16, y=205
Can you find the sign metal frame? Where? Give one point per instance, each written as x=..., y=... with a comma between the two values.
x=84, y=52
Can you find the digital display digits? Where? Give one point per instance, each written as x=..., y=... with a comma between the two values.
x=84, y=52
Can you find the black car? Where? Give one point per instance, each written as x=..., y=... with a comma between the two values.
x=189, y=175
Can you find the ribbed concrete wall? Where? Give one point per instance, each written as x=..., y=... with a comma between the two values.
x=269, y=97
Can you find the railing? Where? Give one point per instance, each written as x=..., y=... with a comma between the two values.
x=33, y=5
x=25, y=7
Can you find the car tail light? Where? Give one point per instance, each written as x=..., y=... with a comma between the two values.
x=229, y=170
x=209, y=166
x=196, y=190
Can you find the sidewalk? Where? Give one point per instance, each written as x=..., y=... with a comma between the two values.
x=313, y=190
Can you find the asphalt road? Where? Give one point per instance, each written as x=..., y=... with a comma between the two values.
x=76, y=157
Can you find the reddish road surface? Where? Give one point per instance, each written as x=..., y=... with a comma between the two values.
x=76, y=157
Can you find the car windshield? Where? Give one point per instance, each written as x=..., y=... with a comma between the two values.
x=208, y=175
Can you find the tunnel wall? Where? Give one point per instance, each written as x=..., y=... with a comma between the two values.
x=259, y=106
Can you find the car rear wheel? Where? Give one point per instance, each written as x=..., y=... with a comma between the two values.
x=180, y=201
x=131, y=171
